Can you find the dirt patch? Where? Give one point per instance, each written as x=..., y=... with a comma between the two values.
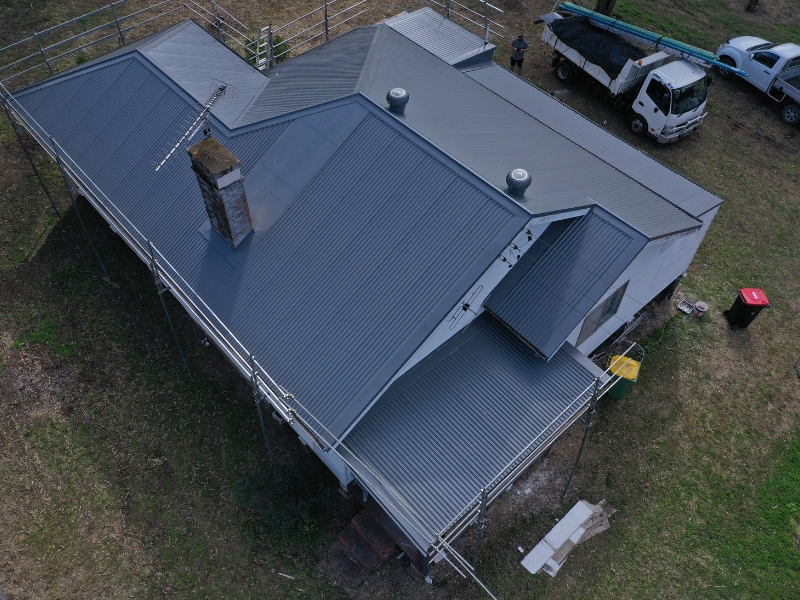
x=36, y=385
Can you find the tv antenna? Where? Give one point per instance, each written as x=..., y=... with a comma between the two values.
x=218, y=93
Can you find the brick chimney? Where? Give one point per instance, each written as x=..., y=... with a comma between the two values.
x=222, y=186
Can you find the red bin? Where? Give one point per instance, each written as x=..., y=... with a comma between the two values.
x=746, y=307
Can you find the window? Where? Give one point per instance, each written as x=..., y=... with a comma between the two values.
x=763, y=46
x=659, y=94
x=768, y=59
x=602, y=313
x=792, y=64
x=689, y=97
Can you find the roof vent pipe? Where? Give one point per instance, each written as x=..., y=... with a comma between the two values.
x=397, y=99
x=518, y=181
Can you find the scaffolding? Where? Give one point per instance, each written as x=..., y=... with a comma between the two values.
x=451, y=8
x=289, y=409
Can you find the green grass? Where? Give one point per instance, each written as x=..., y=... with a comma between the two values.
x=139, y=471
x=706, y=24
x=133, y=482
x=45, y=332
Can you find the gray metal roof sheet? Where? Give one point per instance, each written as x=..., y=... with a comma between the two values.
x=466, y=413
x=441, y=37
x=326, y=72
x=383, y=236
x=491, y=136
x=199, y=64
x=628, y=160
x=544, y=298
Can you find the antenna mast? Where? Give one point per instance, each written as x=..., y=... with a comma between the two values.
x=216, y=95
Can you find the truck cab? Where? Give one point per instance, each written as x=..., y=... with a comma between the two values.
x=763, y=61
x=670, y=103
x=772, y=68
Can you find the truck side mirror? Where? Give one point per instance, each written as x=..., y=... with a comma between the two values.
x=655, y=109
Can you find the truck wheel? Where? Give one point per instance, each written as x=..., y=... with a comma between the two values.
x=564, y=72
x=791, y=114
x=637, y=124
x=726, y=73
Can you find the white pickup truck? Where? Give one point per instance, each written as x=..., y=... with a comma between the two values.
x=772, y=68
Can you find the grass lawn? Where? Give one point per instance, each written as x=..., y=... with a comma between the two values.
x=119, y=478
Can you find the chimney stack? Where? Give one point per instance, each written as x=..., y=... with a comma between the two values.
x=222, y=186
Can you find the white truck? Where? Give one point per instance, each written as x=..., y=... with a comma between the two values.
x=772, y=68
x=661, y=96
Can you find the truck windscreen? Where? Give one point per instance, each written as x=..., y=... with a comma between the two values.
x=690, y=97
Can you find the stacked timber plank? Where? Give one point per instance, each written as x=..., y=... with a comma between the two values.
x=583, y=521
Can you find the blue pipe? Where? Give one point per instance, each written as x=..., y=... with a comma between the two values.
x=658, y=41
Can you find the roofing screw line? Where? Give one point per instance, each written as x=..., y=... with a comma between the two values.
x=70, y=189
x=258, y=398
x=27, y=155
x=161, y=289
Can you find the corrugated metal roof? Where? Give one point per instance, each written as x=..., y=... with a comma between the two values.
x=556, y=284
x=199, y=64
x=491, y=136
x=380, y=239
x=457, y=420
x=441, y=37
x=326, y=72
x=634, y=163
x=377, y=236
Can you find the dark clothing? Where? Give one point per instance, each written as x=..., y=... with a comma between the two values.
x=517, y=46
x=517, y=63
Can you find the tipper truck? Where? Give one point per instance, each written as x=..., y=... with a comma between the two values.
x=663, y=94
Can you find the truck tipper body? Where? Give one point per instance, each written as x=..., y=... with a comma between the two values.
x=662, y=96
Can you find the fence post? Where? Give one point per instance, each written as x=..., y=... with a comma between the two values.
x=11, y=118
x=326, y=20
x=258, y=50
x=43, y=53
x=217, y=22
x=270, y=49
x=60, y=163
x=116, y=20
x=588, y=423
x=485, y=23
x=481, y=527
x=161, y=288
x=447, y=8
x=257, y=397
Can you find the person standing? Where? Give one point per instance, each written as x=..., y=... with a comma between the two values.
x=518, y=49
